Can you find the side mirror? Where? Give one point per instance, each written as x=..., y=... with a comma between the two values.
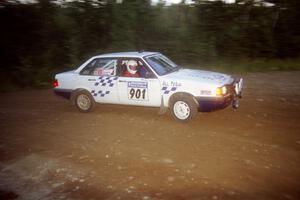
x=149, y=75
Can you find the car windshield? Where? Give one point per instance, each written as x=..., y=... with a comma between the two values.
x=161, y=64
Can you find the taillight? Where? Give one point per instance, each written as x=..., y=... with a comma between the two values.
x=55, y=83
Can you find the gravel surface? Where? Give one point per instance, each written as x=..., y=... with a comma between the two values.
x=49, y=150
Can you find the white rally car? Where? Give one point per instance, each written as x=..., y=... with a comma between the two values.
x=147, y=79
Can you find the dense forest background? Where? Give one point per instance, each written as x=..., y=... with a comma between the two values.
x=42, y=38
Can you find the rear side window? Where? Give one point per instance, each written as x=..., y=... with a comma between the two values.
x=100, y=67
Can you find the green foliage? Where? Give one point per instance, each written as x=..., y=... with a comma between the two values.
x=41, y=39
x=252, y=65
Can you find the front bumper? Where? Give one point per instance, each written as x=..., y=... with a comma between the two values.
x=207, y=104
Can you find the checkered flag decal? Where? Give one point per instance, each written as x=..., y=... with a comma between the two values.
x=167, y=90
x=105, y=83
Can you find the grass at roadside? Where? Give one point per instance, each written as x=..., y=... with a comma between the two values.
x=254, y=65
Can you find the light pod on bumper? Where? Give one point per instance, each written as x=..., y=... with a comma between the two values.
x=221, y=91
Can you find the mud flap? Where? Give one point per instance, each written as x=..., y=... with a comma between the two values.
x=163, y=109
x=238, y=93
x=235, y=103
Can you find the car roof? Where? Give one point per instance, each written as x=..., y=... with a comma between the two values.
x=128, y=54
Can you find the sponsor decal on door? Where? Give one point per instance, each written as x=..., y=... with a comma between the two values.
x=137, y=90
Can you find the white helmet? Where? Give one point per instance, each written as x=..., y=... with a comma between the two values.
x=132, y=66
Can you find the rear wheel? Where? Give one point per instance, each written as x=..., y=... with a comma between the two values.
x=84, y=101
x=183, y=108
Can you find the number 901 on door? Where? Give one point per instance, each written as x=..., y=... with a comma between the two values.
x=137, y=90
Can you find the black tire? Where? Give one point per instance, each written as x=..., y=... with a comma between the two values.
x=183, y=107
x=84, y=101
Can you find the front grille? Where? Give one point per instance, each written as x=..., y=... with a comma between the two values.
x=231, y=88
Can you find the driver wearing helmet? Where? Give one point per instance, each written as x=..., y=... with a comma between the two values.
x=131, y=69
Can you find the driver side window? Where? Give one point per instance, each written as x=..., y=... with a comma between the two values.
x=138, y=70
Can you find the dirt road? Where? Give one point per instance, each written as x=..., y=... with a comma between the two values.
x=49, y=150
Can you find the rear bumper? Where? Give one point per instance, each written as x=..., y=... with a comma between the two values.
x=207, y=104
x=63, y=93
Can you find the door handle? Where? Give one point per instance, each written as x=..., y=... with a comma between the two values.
x=120, y=81
x=91, y=79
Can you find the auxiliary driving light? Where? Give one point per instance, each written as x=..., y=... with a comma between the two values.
x=221, y=91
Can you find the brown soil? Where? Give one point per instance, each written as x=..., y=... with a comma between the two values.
x=49, y=150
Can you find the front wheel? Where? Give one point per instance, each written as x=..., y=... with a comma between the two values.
x=183, y=108
x=84, y=101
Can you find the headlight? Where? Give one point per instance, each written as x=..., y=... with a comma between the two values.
x=221, y=91
x=224, y=90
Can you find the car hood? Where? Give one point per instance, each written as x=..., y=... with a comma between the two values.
x=200, y=76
